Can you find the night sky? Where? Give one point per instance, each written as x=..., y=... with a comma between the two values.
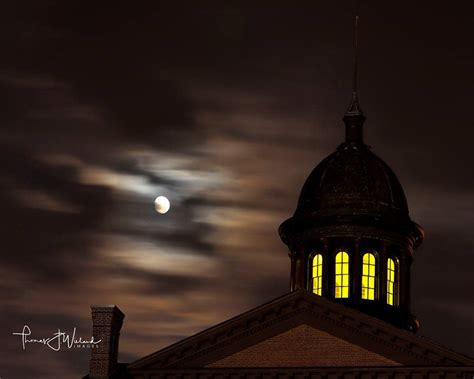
x=224, y=108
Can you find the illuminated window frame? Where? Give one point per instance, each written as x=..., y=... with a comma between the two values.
x=341, y=284
x=369, y=276
x=317, y=274
x=392, y=281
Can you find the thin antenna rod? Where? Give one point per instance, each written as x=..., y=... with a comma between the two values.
x=356, y=48
x=354, y=117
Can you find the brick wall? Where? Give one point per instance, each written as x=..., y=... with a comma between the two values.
x=304, y=346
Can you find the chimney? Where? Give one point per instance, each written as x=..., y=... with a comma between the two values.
x=106, y=324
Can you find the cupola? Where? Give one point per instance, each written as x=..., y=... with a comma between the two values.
x=351, y=238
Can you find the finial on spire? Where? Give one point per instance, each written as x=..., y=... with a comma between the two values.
x=354, y=117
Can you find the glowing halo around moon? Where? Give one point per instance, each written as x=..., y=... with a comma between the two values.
x=162, y=204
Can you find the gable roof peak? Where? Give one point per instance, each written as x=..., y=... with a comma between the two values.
x=289, y=311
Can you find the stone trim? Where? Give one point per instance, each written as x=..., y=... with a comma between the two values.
x=433, y=372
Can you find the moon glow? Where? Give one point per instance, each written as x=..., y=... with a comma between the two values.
x=162, y=204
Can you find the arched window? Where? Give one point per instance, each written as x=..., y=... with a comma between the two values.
x=317, y=274
x=341, y=289
x=369, y=266
x=392, y=282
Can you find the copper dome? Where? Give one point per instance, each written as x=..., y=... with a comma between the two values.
x=351, y=191
x=352, y=179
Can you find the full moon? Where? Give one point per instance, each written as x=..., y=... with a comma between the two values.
x=162, y=204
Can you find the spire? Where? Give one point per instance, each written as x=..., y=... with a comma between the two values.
x=354, y=117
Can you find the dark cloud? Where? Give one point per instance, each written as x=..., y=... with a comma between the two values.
x=154, y=283
x=37, y=234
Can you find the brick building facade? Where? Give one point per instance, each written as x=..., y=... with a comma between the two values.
x=299, y=335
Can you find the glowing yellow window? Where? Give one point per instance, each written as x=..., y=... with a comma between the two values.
x=318, y=274
x=368, y=276
x=392, y=283
x=341, y=289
